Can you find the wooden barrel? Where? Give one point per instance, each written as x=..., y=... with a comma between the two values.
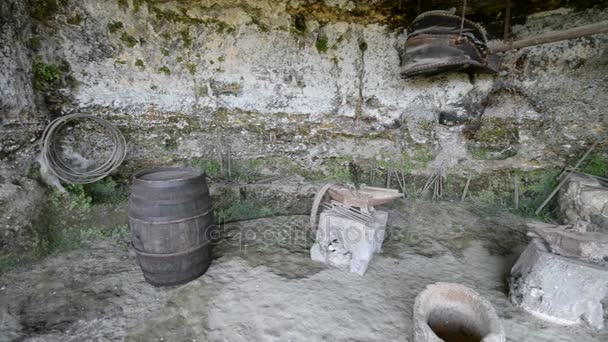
x=171, y=224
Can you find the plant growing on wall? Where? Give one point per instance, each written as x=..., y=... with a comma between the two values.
x=45, y=75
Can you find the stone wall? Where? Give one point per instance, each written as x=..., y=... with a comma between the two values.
x=289, y=87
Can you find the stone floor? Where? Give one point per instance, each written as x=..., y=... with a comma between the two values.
x=263, y=287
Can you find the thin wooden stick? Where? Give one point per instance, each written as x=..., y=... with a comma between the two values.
x=397, y=175
x=566, y=177
x=428, y=184
x=507, y=28
x=443, y=179
x=516, y=192
x=464, y=11
x=434, y=197
x=229, y=162
x=372, y=173
x=466, y=188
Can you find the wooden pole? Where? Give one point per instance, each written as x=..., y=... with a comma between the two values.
x=580, y=161
x=555, y=36
x=507, y=29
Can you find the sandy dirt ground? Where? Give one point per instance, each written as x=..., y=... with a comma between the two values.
x=262, y=285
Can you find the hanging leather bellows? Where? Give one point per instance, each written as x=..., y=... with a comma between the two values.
x=439, y=41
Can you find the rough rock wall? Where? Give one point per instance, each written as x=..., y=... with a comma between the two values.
x=270, y=81
x=16, y=88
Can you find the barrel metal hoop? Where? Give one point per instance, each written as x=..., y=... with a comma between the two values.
x=170, y=222
x=157, y=255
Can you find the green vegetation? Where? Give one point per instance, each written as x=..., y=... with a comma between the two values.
x=172, y=16
x=480, y=153
x=535, y=187
x=165, y=70
x=128, y=39
x=51, y=237
x=321, y=44
x=83, y=196
x=140, y=64
x=120, y=61
x=117, y=235
x=494, y=191
x=61, y=226
x=222, y=27
x=246, y=170
x=498, y=132
x=106, y=190
x=123, y=4
x=75, y=198
x=596, y=164
x=115, y=26
x=46, y=76
x=165, y=51
x=46, y=10
x=7, y=262
x=261, y=26
x=74, y=20
x=137, y=5
x=35, y=42
x=211, y=167
x=179, y=59
x=191, y=68
x=221, y=59
x=337, y=169
x=186, y=38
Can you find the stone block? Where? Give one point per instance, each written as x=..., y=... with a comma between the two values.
x=345, y=243
x=558, y=289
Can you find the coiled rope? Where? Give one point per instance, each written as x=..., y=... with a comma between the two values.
x=51, y=154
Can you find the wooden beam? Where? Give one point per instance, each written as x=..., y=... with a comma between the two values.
x=555, y=36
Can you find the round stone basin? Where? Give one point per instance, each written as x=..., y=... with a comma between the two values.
x=454, y=313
